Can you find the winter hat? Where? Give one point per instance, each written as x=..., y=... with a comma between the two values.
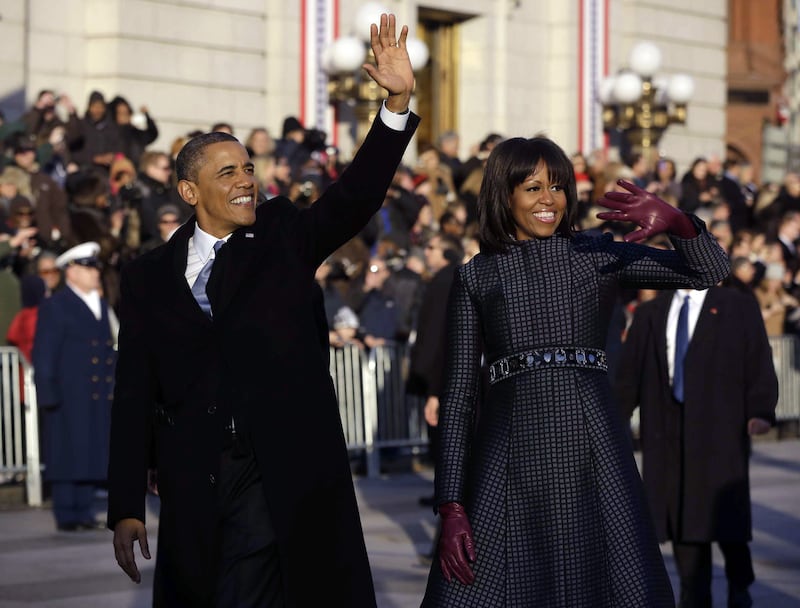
x=96, y=96
x=291, y=124
x=345, y=318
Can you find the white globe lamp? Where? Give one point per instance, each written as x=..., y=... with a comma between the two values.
x=627, y=87
x=680, y=88
x=645, y=59
x=366, y=15
x=417, y=53
x=347, y=54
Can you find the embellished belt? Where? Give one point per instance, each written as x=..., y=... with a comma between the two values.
x=548, y=357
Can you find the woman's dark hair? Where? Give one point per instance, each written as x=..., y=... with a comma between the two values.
x=673, y=172
x=511, y=163
x=118, y=101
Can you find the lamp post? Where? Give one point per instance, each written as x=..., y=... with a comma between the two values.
x=342, y=60
x=641, y=104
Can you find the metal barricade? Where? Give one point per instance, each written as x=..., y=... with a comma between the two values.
x=19, y=423
x=785, y=357
x=375, y=411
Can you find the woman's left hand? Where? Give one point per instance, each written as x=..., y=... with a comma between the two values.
x=650, y=213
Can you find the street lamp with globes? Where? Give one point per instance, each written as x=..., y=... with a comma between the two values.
x=342, y=61
x=641, y=104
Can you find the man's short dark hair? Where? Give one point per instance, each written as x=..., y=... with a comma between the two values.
x=192, y=154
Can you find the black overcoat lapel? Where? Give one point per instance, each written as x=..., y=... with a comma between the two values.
x=659, y=333
x=233, y=265
x=705, y=331
x=175, y=288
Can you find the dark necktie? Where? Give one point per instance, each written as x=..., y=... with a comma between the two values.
x=199, y=287
x=681, y=346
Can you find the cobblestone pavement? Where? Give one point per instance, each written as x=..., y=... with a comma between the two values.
x=42, y=567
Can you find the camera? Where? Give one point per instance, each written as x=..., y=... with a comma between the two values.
x=314, y=140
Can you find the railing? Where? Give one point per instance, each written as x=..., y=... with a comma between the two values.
x=19, y=423
x=375, y=410
x=786, y=358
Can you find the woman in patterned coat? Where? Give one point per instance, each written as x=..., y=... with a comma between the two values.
x=539, y=496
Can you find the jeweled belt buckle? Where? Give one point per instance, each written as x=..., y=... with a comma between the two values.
x=504, y=367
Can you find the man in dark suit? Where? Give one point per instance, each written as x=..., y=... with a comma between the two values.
x=443, y=256
x=74, y=359
x=696, y=420
x=227, y=392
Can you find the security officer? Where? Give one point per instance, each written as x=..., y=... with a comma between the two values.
x=74, y=360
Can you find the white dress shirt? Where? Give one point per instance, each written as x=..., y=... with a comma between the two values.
x=91, y=299
x=201, y=249
x=696, y=299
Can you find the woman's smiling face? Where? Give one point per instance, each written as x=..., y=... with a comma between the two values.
x=537, y=205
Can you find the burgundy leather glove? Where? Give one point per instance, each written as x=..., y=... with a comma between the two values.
x=644, y=208
x=456, y=547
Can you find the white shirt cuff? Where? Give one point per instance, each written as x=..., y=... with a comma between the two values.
x=394, y=121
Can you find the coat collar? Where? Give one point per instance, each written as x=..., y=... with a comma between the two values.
x=705, y=330
x=235, y=263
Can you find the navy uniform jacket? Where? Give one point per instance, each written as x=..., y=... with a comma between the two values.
x=74, y=360
x=261, y=359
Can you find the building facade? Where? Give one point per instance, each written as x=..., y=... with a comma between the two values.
x=789, y=108
x=516, y=67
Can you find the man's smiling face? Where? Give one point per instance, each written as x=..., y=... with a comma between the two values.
x=225, y=189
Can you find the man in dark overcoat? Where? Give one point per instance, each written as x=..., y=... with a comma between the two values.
x=695, y=451
x=443, y=256
x=74, y=360
x=257, y=500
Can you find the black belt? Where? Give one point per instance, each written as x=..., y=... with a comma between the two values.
x=547, y=358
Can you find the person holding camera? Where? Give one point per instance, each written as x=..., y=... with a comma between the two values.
x=43, y=117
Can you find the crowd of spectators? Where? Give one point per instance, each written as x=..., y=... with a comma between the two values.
x=67, y=178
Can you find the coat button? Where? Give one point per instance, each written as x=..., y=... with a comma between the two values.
x=212, y=409
x=212, y=479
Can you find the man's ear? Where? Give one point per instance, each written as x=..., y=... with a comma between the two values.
x=188, y=191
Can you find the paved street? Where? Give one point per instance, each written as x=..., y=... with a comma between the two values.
x=42, y=567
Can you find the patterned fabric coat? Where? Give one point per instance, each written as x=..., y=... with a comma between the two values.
x=545, y=469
